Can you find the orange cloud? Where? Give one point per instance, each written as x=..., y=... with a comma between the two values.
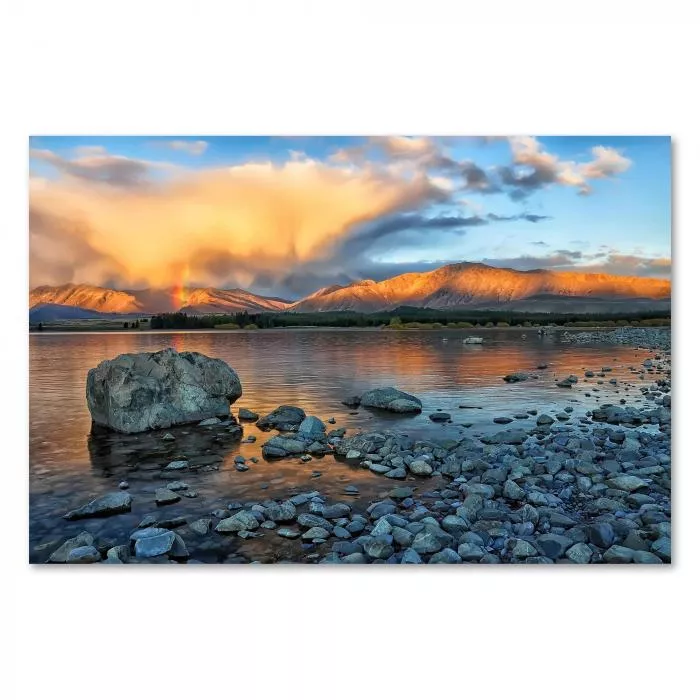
x=270, y=215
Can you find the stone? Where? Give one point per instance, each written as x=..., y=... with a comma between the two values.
x=284, y=418
x=316, y=533
x=152, y=542
x=426, y=543
x=201, y=526
x=377, y=548
x=281, y=446
x=247, y=414
x=515, y=377
x=166, y=496
x=177, y=465
x=553, y=546
x=109, y=504
x=311, y=520
x=60, y=555
x=544, y=419
x=512, y=491
x=579, y=553
x=289, y=532
x=312, y=428
x=440, y=417
x=470, y=551
x=502, y=420
x=208, y=422
x=123, y=484
x=420, y=468
x=618, y=554
x=177, y=486
x=336, y=510
x=83, y=555
x=391, y=399
x=642, y=557
x=626, y=482
x=410, y=556
x=524, y=549
x=662, y=549
x=281, y=512
x=601, y=534
x=136, y=392
x=445, y=556
x=244, y=520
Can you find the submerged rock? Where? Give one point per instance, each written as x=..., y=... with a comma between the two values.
x=109, y=504
x=391, y=399
x=151, y=390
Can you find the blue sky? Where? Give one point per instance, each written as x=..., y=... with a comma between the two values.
x=284, y=215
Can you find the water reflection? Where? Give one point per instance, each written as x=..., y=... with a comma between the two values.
x=314, y=369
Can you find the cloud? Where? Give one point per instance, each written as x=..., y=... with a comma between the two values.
x=534, y=262
x=258, y=217
x=193, y=148
x=476, y=179
x=632, y=265
x=534, y=168
x=96, y=165
x=532, y=218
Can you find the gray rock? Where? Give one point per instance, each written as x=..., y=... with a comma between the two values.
x=601, y=534
x=662, y=549
x=642, y=557
x=515, y=377
x=512, y=491
x=553, y=546
x=152, y=542
x=316, y=533
x=524, y=549
x=618, y=554
x=109, y=504
x=391, y=399
x=410, y=556
x=426, y=543
x=165, y=496
x=579, y=553
x=289, y=532
x=177, y=486
x=440, y=417
x=283, y=418
x=177, y=465
x=377, y=548
x=247, y=414
x=312, y=428
x=201, y=526
x=626, y=482
x=445, y=556
x=60, y=555
x=83, y=555
x=146, y=391
x=420, y=468
x=469, y=551
x=311, y=520
x=244, y=520
x=281, y=512
x=544, y=419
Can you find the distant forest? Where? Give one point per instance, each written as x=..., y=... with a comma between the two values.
x=405, y=318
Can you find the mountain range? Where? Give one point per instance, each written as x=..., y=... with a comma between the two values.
x=460, y=285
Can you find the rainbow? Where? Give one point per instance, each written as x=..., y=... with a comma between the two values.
x=180, y=291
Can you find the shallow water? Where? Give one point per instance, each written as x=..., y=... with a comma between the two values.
x=311, y=368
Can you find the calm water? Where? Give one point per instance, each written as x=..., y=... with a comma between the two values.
x=312, y=368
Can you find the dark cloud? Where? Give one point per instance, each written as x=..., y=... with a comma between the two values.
x=476, y=179
x=117, y=171
x=540, y=243
x=532, y=218
x=573, y=254
x=533, y=262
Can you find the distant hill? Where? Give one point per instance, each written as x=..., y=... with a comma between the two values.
x=478, y=286
x=46, y=313
x=461, y=285
x=150, y=301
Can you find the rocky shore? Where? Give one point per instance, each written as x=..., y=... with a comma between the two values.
x=559, y=488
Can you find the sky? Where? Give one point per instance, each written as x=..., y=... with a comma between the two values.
x=284, y=216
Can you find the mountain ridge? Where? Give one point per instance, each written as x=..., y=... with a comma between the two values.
x=457, y=285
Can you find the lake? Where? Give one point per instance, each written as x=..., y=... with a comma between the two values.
x=312, y=368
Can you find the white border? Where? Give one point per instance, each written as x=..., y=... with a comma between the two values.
x=334, y=68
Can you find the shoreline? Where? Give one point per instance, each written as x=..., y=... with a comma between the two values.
x=565, y=488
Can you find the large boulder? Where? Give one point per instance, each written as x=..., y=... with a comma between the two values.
x=390, y=399
x=150, y=390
